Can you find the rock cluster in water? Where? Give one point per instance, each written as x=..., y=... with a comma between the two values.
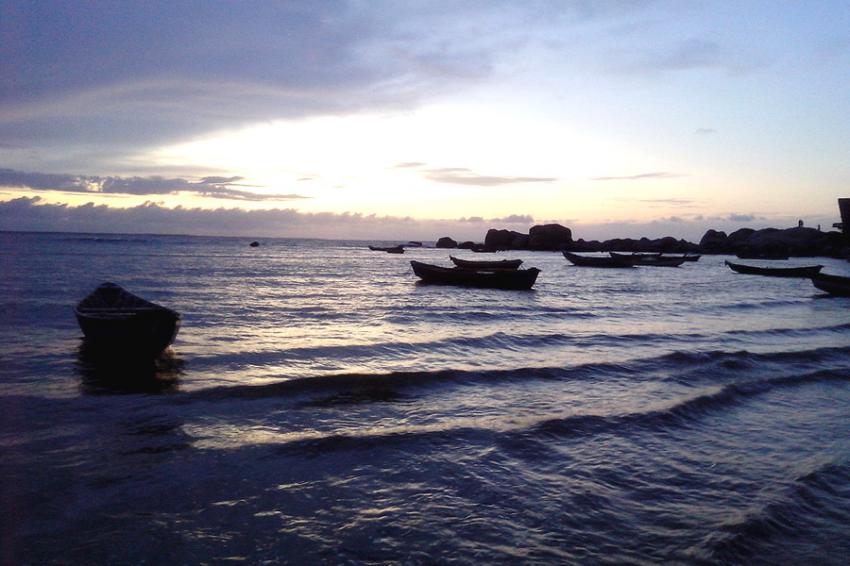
x=767, y=242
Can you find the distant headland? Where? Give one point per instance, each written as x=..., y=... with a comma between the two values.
x=798, y=241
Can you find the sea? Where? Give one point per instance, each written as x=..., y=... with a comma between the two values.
x=320, y=406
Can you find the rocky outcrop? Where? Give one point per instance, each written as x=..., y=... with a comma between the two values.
x=549, y=237
x=446, y=242
x=773, y=242
x=505, y=240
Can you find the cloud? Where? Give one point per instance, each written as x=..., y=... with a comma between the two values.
x=463, y=176
x=684, y=55
x=34, y=214
x=662, y=202
x=733, y=217
x=209, y=186
x=104, y=74
x=705, y=131
x=640, y=177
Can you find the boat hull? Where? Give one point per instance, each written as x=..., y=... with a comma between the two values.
x=116, y=322
x=832, y=284
x=507, y=264
x=802, y=272
x=601, y=261
x=494, y=279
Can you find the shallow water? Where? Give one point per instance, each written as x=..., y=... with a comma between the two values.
x=320, y=406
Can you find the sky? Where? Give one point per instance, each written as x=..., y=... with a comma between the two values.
x=416, y=120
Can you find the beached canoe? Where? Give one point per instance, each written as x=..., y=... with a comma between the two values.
x=116, y=321
x=492, y=279
x=806, y=271
x=832, y=284
x=498, y=264
x=598, y=261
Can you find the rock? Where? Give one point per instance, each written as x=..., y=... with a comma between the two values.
x=549, y=237
x=739, y=238
x=254, y=244
x=446, y=242
x=505, y=240
x=713, y=242
x=466, y=246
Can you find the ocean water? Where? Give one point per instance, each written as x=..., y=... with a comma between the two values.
x=320, y=406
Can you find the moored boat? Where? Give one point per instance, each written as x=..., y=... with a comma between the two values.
x=115, y=321
x=832, y=284
x=805, y=271
x=399, y=249
x=496, y=264
x=519, y=279
x=598, y=261
x=651, y=259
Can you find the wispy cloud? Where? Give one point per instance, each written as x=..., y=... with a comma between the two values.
x=688, y=54
x=676, y=202
x=705, y=131
x=463, y=176
x=209, y=186
x=640, y=176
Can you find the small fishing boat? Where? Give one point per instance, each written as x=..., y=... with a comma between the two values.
x=492, y=279
x=832, y=284
x=474, y=264
x=635, y=254
x=399, y=249
x=806, y=271
x=116, y=321
x=598, y=261
x=651, y=259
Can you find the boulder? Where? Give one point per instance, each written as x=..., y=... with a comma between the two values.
x=466, y=245
x=713, y=242
x=446, y=242
x=505, y=240
x=549, y=237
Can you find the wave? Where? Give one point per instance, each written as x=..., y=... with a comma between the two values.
x=530, y=436
x=814, y=502
x=682, y=413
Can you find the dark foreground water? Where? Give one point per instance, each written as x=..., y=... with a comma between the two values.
x=320, y=407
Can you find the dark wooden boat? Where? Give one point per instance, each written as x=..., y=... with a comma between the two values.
x=635, y=254
x=691, y=257
x=598, y=261
x=116, y=321
x=807, y=271
x=390, y=250
x=832, y=284
x=753, y=254
x=651, y=259
x=492, y=279
x=474, y=264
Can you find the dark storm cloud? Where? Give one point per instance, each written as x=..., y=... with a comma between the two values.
x=210, y=186
x=640, y=177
